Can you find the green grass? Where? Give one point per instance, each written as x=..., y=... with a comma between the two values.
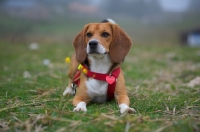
x=156, y=71
x=156, y=78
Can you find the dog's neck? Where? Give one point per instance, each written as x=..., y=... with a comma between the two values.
x=100, y=63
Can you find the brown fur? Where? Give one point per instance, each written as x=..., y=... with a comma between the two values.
x=117, y=44
x=119, y=41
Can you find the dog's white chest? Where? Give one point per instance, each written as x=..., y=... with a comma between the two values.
x=97, y=90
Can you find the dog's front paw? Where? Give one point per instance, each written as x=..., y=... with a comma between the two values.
x=81, y=106
x=68, y=91
x=125, y=109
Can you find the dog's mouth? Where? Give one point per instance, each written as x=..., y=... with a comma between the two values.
x=94, y=47
x=96, y=52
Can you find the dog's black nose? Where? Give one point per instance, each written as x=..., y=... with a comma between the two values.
x=93, y=44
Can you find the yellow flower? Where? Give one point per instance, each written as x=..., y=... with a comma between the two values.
x=85, y=71
x=80, y=66
x=67, y=60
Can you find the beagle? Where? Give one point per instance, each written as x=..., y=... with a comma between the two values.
x=100, y=49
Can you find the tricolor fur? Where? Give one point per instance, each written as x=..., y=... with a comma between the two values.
x=102, y=47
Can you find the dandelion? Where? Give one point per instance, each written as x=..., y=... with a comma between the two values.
x=85, y=71
x=67, y=60
x=80, y=66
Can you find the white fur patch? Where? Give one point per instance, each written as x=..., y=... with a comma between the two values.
x=100, y=49
x=97, y=89
x=124, y=108
x=81, y=106
x=111, y=21
x=100, y=63
x=68, y=91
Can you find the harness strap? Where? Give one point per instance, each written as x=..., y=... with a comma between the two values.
x=99, y=76
x=76, y=79
x=111, y=87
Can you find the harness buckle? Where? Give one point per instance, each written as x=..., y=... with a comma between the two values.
x=74, y=86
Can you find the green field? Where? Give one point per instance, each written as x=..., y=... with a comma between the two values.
x=157, y=72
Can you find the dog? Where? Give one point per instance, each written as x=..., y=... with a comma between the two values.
x=100, y=49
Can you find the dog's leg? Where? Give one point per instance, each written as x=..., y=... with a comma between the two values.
x=81, y=98
x=69, y=90
x=71, y=73
x=121, y=96
x=81, y=106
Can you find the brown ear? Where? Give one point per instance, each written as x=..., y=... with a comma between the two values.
x=80, y=45
x=120, y=45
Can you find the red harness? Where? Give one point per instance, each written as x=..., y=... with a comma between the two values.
x=111, y=79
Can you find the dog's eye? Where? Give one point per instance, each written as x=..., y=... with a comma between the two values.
x=105, y=34
x=89, y=35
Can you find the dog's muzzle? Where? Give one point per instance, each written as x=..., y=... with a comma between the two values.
x=93, y=46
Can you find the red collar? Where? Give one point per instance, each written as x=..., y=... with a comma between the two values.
x=111, y=78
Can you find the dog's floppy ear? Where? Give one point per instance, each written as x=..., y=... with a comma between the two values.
x=80, y=45
x=120, y=44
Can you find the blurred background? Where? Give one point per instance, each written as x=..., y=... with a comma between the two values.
x=58, y=21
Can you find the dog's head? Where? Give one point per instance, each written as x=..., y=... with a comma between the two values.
x=102, y=38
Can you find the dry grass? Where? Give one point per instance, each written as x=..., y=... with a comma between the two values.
x=156, y=77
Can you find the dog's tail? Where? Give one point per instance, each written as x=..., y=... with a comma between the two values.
x=108, y=20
